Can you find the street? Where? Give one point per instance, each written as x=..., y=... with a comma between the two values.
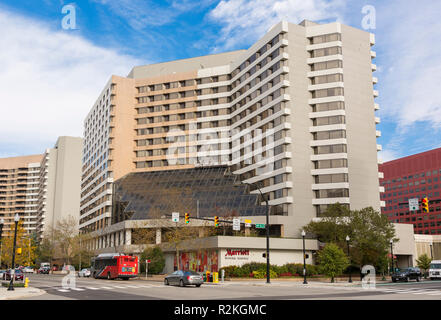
x=99, y=289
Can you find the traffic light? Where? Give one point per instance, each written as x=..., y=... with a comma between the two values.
x=425, y=204
x=187, y=218
x=216, y=221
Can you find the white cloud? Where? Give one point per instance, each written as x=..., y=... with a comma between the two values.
x=244, y=21
x=388, y=155
x=413, y=55
x=49, y=81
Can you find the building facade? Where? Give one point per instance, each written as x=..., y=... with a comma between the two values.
x=294, y=113
x=416, y=176
x=59, y=184
x=19, y=185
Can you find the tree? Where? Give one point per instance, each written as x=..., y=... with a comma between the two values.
x=423, y=262
x=369, y=231
x=24, y=241
x=156, y=256
x=332, y=260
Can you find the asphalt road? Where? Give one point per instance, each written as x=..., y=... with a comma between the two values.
x=98, y=289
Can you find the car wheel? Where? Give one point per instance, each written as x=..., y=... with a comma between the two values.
x=198, y=285
x=394, y=280
x=166, y=282
x=181, y=283
x=407, y=279
x=418, y=279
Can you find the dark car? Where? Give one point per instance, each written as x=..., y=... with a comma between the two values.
x=407, y=274
x=183, y=278
x=44, y=270
x=18, y=275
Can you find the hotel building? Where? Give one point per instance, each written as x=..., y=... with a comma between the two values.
x=294, y=114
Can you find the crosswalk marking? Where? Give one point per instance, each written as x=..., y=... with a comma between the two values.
x=92, y=288
x=77, y=289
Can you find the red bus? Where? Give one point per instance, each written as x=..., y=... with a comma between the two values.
x=114, y=265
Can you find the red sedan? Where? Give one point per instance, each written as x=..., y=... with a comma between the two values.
x=18, y=275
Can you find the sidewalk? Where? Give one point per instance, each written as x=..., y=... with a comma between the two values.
x=19, y=293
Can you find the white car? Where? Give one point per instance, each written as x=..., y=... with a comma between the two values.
x=84, y=273
x=28, y=270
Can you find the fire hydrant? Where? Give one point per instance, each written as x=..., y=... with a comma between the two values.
x=26, y=282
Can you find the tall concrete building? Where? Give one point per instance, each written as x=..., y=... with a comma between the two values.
x=294, y=113
x=59, y=183
x=19, y=185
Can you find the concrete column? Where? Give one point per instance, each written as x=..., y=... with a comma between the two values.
x=128, y=237
x=158, y=235
x=247, y=232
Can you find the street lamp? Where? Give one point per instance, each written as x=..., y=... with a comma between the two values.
x=11, y=283
x=392, y=254
x=431, y=252
x=304, y=258
x=267, y=231
x=349, y=256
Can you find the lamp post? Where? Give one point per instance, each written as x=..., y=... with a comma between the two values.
x=267, y=230
x=304, y=258
x=392, y=254
x=2, y=222
x=349, y=256
x=431, y=252
x=11, y=283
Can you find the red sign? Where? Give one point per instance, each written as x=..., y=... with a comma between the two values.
x=148, y=261
x=237, y=252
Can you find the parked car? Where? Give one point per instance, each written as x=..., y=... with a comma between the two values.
x=407, y=274
x=84, y=273
x=18, y=275
x=44, y=270
x=2, y=272
x=27, y=270
x=183, y=278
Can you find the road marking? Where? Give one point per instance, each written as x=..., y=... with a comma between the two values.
x=77, y=289
x=427, y=291
x=107, y=288
x=92, y=288
x=63, y=290
x=435, y=293
x=130, y=286
x=119, y=287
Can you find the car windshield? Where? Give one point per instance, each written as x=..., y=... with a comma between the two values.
x=435, y=266
x=18, y=271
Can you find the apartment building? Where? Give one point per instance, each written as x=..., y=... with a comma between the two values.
x=19, y=184
x=59, y=184
x=414, y=177
x=294, y=113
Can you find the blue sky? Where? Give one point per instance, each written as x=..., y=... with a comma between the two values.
x=50, y=77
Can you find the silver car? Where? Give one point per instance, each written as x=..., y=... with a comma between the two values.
x=183, y=278
x=84, y=273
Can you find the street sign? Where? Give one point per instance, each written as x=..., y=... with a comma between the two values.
x=175, y=216
x=247, y=223
x=236, y=224
x=413, y=204
x=260, y=226
x=148, y=261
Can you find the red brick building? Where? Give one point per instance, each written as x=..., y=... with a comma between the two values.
x=415, y=176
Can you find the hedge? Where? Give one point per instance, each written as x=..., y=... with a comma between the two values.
x=258, y=270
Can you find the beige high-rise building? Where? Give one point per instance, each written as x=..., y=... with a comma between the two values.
x=42, y=189
x=294, y=113
x=19, y=180
x=59, y=184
